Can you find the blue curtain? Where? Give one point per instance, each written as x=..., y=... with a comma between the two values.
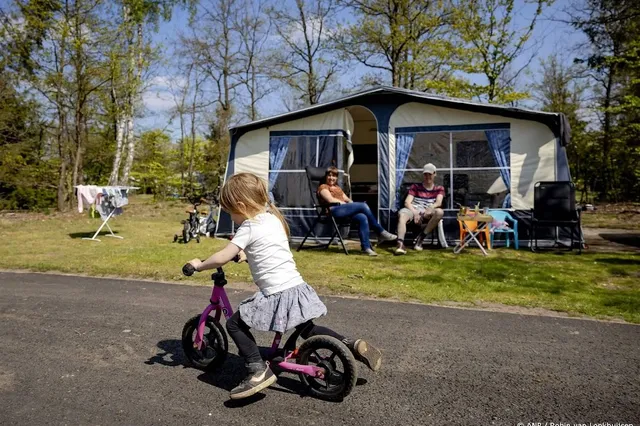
x=404, y=142
x=278, y=146
x=500, y=144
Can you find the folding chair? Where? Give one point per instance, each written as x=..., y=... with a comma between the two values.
x=315, y=175
x=414, y=230
x=554, y=204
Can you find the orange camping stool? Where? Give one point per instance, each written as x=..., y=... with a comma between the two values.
x=485, y=235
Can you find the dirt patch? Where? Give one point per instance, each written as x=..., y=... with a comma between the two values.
x=612, y=240
x=611, y=286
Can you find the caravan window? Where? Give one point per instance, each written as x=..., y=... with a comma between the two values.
x=429, y=148
x=319, y=151
x=301, y=150
x=473, y=164
x=287, y=178
x=471, y=149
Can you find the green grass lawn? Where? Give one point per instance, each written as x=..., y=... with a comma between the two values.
x=593, y=284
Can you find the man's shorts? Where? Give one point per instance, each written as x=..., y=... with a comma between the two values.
x=405, y=211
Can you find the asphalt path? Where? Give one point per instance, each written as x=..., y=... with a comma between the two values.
x=89, y=351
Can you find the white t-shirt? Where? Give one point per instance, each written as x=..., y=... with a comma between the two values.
x=266, y=245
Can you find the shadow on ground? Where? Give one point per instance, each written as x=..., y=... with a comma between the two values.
x=627, y=239
x=230, y=374
x=75, y=235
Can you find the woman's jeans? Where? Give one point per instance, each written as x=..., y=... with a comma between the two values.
x=361, y=213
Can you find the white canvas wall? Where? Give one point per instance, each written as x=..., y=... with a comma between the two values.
x=252, y=149
x=533, y=145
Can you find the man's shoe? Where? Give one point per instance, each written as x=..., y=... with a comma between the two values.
x=260, y=377
x=400, y=249
x=418, y=245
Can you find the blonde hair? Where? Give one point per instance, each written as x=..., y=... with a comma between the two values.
x=251, y=191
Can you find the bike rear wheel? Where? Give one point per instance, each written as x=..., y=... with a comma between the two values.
x=214, y=347
x=186, y=233
x=341, y=371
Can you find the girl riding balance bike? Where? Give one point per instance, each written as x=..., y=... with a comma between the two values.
x=285, y=301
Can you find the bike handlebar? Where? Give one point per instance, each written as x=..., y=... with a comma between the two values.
x=189, y=270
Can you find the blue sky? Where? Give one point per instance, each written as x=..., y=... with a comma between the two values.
x=549, y=37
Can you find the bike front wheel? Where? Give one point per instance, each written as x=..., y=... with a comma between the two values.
x=338, y=363
x=214, y=346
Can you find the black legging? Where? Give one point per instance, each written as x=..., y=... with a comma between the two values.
x=246, y=343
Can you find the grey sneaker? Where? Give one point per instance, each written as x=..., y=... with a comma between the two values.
x=367, y=354
x=370, y=252
x=259, y=377
x=419, y=241
x=387, y=236
x=400, y=249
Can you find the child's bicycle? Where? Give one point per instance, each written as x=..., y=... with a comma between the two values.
x=191, y=226
x=325, y=365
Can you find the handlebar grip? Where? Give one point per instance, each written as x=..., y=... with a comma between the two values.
x=188, y=270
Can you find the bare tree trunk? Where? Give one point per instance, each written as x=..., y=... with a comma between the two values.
x=135, y=85
x=254, y=101
x=77, y=164
x=62, y=151
x=131, y=146
x=182, y=149
x=181, y=111
x=78, y=64
x=79, y=127
x=115, y=170
x=194, y=106
x=62, y=193
x=606, y=138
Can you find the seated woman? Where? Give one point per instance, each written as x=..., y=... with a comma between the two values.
x=330, y=192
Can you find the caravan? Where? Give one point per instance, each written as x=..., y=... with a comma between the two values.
x=489, y=155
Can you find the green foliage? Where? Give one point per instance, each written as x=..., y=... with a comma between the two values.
x=38, y=17
x=154, y=168
x=217, y=151
x=404, y=43
x=485, y=28
x=613, y=60
x=27, y=175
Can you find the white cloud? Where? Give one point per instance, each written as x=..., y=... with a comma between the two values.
x=167, y=81
x=296, y=31
x=158, y=97
x=157, y=101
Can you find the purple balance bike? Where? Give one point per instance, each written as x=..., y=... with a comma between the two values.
x=325, y=365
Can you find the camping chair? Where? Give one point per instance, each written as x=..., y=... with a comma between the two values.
x=503, y=216
x=436, y=234
x=554, y=204
x=315, y=175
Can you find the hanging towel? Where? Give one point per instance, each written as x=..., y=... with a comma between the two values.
x=86, y=195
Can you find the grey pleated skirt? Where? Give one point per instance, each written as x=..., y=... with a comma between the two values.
x=282, y=311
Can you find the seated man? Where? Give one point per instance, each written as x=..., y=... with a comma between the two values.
x=421, y=205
